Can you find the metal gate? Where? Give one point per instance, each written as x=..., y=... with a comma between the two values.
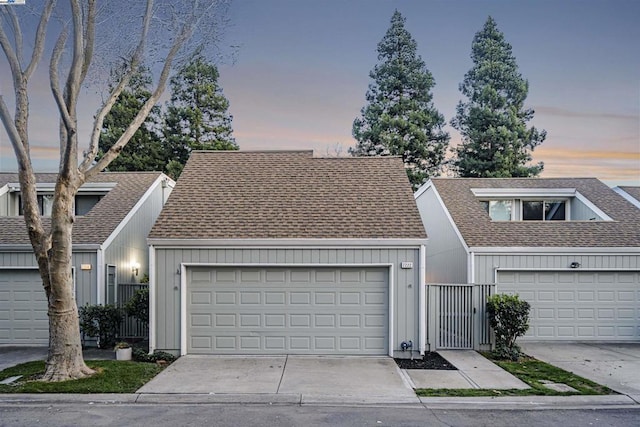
x=130, y=326
x=457, y=316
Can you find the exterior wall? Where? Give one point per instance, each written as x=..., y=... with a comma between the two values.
x=581, y=212
x=168, y=261
x=446, y=256
x=485, y=265
x=4, y=201
x=86, y=280
x=130, y=245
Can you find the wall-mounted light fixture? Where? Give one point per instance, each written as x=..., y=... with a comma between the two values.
x=135, y=268
x=574, y=265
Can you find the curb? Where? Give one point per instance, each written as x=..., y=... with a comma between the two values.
x=504, y=402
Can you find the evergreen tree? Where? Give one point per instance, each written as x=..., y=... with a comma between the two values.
x=197, y=116
x=493, y=122
x=400, y=118
x=145, y=151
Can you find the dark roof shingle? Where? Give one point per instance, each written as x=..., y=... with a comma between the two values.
x=478, y=230
x=289, y=195
x=100, y=222
x=632, y=191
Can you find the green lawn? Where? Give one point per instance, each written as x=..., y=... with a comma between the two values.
x=112, y=377
x=531, y=371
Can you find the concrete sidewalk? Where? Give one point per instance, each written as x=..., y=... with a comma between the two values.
x=474, y=371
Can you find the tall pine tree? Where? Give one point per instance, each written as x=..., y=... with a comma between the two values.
x=400, y=118
x=493, y=122
x=145, y=151
x=197, y=116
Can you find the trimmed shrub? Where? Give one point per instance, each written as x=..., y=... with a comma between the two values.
x=509, y=318
x=101, y=322
x=141, y=355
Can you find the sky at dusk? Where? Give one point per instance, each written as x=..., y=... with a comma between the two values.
x=301, y=70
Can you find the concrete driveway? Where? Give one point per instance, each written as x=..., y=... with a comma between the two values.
x=615, y=365
x=14, y=355
x=309, y=377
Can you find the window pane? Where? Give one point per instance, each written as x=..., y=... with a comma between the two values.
x=47, y=205
x=554, y=210
x=500, y=210
x=85, y=203
x=532, y=211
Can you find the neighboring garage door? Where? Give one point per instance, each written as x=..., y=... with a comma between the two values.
x=287, y=311
x=23, y=308
x=567, y=305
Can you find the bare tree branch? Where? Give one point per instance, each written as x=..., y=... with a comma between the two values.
x=89, y=38
x=38, y=47
x=12, y=57
x=17, y=32
x=106, y=108
x=22, y=155
x=54, y=78
x=146, y=108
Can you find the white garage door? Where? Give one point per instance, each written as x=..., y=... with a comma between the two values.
x=23, y=308
x=287, y=311
x=567, y=305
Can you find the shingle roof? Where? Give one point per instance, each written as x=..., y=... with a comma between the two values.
x=289, y=195
x=100, y=222
x=632, y=191
x=478, y=230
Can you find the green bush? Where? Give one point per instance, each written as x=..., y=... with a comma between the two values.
x=509, y=318
x=141, y=355
x=101, y=322
x=138, y=306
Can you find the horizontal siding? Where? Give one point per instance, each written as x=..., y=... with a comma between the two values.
x=168, y=263
x=486, y=264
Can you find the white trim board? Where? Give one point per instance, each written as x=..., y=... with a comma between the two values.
x=286, y=243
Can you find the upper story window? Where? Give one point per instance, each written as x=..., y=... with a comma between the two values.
x=526, y=210
x=544, y=210
x=83, y=203
x=538, y=204
x=45, y=204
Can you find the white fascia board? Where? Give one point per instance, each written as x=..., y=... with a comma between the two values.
x=133, y=210
x=593, y=207
x=288, y=243
x=424, y=187
x=524, y=192
x=86, y=187
x=18, y=267
x=488, y=250
x=4, y=189
x=152, y=300
x=628, y=197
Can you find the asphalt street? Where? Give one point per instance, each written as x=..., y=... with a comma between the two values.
x=235, y=415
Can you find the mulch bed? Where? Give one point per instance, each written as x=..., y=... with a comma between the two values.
x=431, y=360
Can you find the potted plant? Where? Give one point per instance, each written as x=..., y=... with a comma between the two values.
x=123, y=351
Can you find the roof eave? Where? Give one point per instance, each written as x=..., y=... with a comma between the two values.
x=291, y=243
x=519, y=250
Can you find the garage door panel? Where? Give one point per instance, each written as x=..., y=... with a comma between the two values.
x=284, y=314
x=578, y=305
x=23, y=308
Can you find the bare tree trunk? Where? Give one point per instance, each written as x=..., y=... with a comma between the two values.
x=65, y=359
